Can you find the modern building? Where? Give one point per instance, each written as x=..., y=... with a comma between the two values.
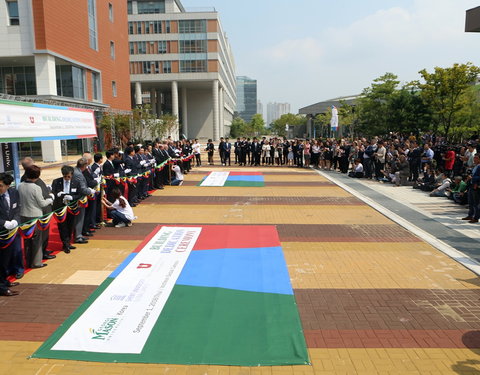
x=276, y=110
x=313, y=110
x=181, y=63
x=71, y=53
x=472, y=22
x=260, y=108
x=246, y=98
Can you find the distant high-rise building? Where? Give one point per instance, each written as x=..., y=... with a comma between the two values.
x=246, y=97
x=276, y=110
x=260, y=108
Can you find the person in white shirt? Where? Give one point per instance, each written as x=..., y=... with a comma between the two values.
x=178, y=180
x=120, y=209
x=196, y=147
x=441, y=191
x=357, y=170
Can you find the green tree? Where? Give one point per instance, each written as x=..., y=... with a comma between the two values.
x=143, y=122
x=238, y=128
x=373, y=105
x=256, y=126
x=445, y=92
x=278, y=126
x=116, y=128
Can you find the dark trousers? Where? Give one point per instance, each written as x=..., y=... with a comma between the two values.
x=474, y=203
x=5, y=260
x=226, y=158
x=118, y=217
x=132, y=192
x=90, y=215
x=368, y=167
x=33, y=246
x=198, y=159
x=65, y=230
x=379, y=167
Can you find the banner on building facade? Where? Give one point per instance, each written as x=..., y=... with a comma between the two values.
x=28, y=122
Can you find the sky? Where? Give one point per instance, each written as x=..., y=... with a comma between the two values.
x=306, y=51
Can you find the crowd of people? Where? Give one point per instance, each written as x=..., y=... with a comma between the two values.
x=112, y=184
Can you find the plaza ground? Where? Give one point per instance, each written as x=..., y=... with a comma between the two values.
x=373, y=297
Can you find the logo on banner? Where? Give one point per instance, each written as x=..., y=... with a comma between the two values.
x=32, y=120
x=105, y=330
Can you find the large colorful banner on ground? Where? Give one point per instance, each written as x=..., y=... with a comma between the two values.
x=233, y=179
x=191, y=295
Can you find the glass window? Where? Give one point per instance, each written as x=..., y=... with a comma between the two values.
x=193, y=66
x=162, y=47
x=78, y=80
x=13, y=17
x=96, y=86
x=192, y=26
x=193, y=46
x=64, y=80
x=132, y=48
x=150, y=7
x=157, y=67
x=147, y=27
x=141, y=48
x=92, y=24
x=110, y=11
x=139, y=28
x=129, y=7
x=130, y=28
x=112, y=50
x=114, y=89
x=167, y=27
x=167, y=66
x=30, y=80
x=147, y=67
x=157, y=27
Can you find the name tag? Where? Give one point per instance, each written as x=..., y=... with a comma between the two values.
x=14, y=205
x=74, y=190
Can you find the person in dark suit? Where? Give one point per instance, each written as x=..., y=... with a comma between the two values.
x=9, y=219
x=90, y=211
x=84, y=190
x=97, y=175
x=256, y=149
x=132, y=168
x=221, y=150
x=65, y=191
x=227, y=150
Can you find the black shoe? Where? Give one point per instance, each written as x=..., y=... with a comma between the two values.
x=97, y=227
x=41, y=266
x=71, y=247
x=15, y=283
x=81, y=240
x=87, y=234
x=45, y=257
x=66, y=250
x=48, y=252
x=19, y=276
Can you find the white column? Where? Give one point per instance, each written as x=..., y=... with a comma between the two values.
x=184, y=112
x=138, y=93
x=216, y=127
x=159, y=102
x=175, y=98
x=176, y=132
x=222, y=112
x=46, y=79
x=153, y=101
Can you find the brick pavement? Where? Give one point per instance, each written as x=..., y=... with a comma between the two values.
x=373, y=298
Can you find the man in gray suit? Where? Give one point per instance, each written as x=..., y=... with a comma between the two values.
x=84, y=190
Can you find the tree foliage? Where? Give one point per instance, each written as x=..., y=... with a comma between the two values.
x=279, y=126
x=444, y=101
